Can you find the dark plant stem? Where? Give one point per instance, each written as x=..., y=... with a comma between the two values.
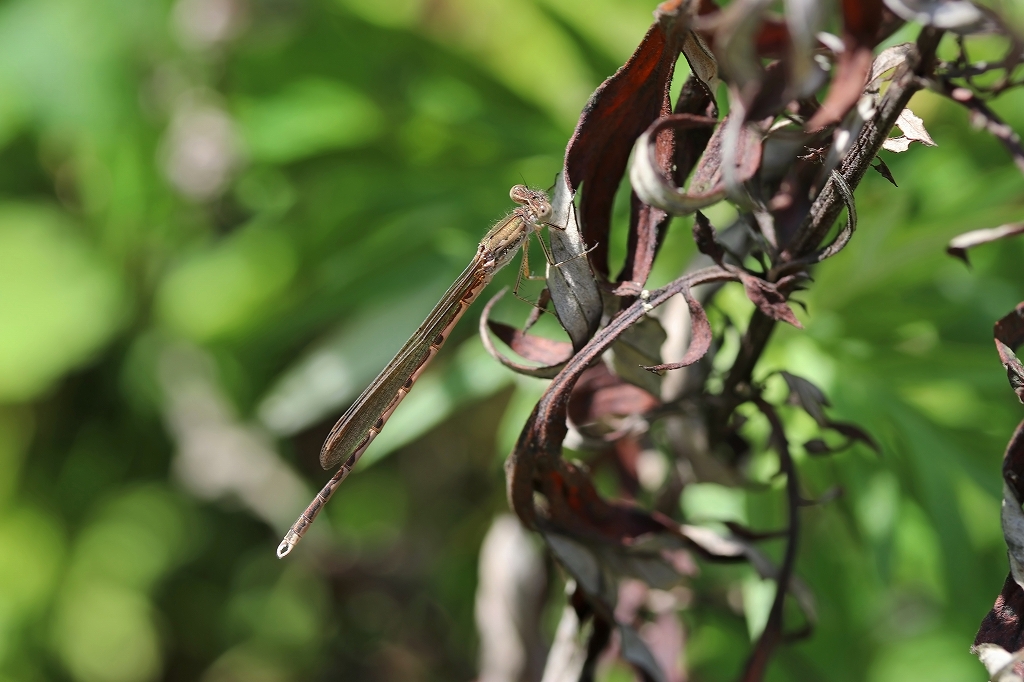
x=826, y=209
x=989, y=119
x=757, y=664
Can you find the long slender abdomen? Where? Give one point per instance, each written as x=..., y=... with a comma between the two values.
x=369, y=413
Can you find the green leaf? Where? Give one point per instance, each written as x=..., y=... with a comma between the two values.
x=58, y=301
x=308, y=117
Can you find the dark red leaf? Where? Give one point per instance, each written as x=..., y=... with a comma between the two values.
x=647, y=225
x=1010, y=328
x=1014, y=369
x=847, y=86
x=618, y=111
x=773, y=38
x=862, y=21
x=599, y=394
x=535, y=463
x=768, y=299
x=1003, y=625
x=707, y=176
x=707, y=238
x=700, y=336
x=531, y=347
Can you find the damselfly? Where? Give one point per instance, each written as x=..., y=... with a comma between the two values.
x=366, y=417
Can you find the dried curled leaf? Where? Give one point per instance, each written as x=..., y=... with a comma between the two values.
x=600, y=394
x=616, y=114
x=708, y=185
x=913, y=130
x=536, y=348
x=651, y=184
x=1009, y=335
x=528, y=344
x=959, y=245
x=768, y=299
x=700, y=335
x=862, y=23
x=887, y=60
x=884, y=171
x=706, y=237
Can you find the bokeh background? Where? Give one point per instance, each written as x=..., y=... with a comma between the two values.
x=219, y=219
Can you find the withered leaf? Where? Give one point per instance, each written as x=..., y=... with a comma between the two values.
x=959, y=245
x=707, y=238
x=1001, y=635
x=1012, y=514
x=913, y=130
x=768, y=299
x=526, y=345
x=888, y=59
x=1009, y=335
x=884, y=171
x=1014, y=369
x=700, y=335
x=1013, y=462
x=1010, y=328
x=653, y=185
x=862, y=26
x=1003, y=628
x=599, y=394
x=616, y=114
x=531, y=347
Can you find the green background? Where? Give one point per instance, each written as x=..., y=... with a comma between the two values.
x=219, y=219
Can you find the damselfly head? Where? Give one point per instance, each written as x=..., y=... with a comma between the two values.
x=534, y=200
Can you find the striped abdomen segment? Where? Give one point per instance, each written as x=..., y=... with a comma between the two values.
x=371, y=410
x=366, y=417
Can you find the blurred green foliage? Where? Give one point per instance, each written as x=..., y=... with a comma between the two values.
x=280, y=189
